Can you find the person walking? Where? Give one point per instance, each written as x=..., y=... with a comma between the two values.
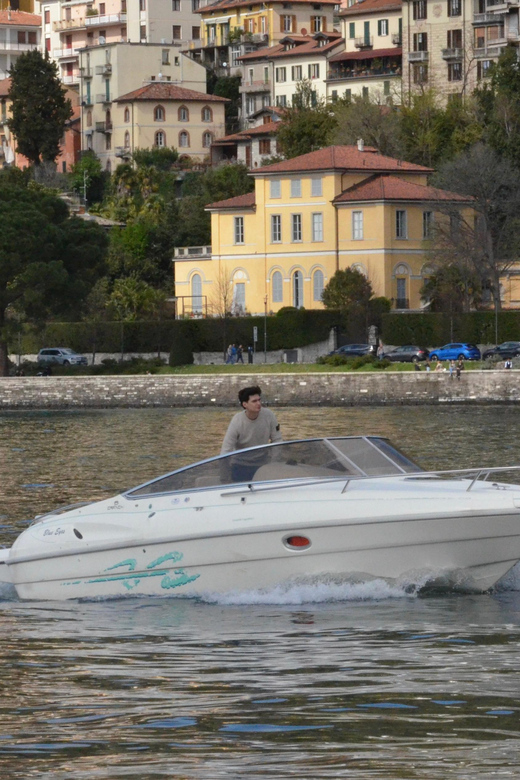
x=240, y=354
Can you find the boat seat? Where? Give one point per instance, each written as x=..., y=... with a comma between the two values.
x=285, y=471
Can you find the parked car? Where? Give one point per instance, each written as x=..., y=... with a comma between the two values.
x=508, y=349
x=455, y=351
x=354, y=350
x=406, y=354
x=61, y=356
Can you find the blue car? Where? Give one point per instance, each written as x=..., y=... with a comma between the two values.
x=455, y=351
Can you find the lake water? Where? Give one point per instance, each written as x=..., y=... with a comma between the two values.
x=358, y=682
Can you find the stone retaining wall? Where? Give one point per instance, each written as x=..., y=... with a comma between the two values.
x=327, y=389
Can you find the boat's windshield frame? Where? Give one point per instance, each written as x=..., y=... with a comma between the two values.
x=346, y=465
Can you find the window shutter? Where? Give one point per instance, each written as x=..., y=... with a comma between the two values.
x=379, y=26
x=294, y=24
x=281, y=24
x=313, y=24
x=352, y=30
x=324, y=23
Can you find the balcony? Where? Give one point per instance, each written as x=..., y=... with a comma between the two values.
x=366, y=42
x=103, y=127
x=105, y=20
x=484, y=18
x=121, y=151
x=69, y=24
x=418, y=56
x=397, y=39
x=85, y=72
x=103, y=99
x=190, y=252
x=402, y=303
x=71, y=78
x=15, y=46
x=345, y=74
x=502, y=41
x=452, y=54
x=104, y=70
x=256, y=86
x=69, y=54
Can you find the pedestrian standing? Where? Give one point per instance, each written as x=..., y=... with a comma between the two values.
x=452, y=368
x=460, y=367
x=250, y=353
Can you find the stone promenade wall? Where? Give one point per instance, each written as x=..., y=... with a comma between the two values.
x=330, y=389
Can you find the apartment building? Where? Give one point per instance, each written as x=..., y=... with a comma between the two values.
x=450, y=46
x=19, y=32
x=231, y=29
x=371, y=62
x=71, y=26
x=250, y=147
x=143, y=95
x=339, y=207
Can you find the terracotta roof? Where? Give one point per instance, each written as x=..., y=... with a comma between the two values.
x=311, y=47
x=374, y=54
x=342, y=158
x=263, y=54
x=5, y=86
x=222, y=5
x=239, y=202
x=20, y=19
x=244, y=135
x=371, y=7
x=394, y=188
x=165, y=90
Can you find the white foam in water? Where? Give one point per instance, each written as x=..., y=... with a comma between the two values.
x=316, y=593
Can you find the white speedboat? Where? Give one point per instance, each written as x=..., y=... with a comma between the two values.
x=334, y=510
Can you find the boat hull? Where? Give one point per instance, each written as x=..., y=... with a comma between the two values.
x=467, y=551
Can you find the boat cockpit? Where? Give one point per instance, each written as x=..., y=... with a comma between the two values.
x=308, y=459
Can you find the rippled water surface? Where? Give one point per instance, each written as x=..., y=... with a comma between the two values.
x=327, y=682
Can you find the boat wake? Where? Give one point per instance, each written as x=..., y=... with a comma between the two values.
x=511, y=581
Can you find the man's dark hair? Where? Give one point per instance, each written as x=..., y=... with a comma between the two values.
x=245, y=394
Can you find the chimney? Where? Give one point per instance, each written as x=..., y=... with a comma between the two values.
x=360, y=145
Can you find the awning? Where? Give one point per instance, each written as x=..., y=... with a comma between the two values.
x=370, y=54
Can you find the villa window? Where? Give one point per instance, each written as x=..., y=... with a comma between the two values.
x=207, y=114
x=277, y=287
x=296, y=224
x=183, y=114
x=427, y=224
x=357, y=225
x=296, y=188
x=207, y=140
x=196, y=293
x=401, y=227
x=317, y=227
x=239, y=230
x=275, y=187
x=127, y=115
x=317, y=285
x=276, y=228
x=160, y=139
x=420, y=10
x=159, y=114
x=184, y=139
x=316, y=187
x=127, y=140
x=298, y=289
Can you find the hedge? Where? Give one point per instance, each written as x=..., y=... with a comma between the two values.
x=431, y=330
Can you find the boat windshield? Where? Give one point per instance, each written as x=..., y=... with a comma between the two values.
x=335, y=458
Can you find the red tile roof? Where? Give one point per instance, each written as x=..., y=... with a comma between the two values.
x=244, y=135
x=5, y=86
x=20, y=19
x=374, y=54
x=393, y=188
x=165, y=90
x=342, y=158
x=268, y=51
x=371, y=7
x=239, y=202
x=311, y=47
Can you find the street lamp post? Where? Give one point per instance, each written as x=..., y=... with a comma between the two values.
x=265, y=329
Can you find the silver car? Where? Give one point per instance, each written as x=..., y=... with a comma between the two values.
x=61, y=356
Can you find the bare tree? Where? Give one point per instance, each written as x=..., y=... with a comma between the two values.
x=221, y=301
x=484, y=237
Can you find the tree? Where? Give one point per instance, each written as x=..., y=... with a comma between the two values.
x=307, y=125
x=40, y=109
x=158, y=157
x=499, y=102
x=49, y=261
x=377, y=123
x=451, y=289
x=483, y=240
x=228, y=87
x=88, y=179
x=346, y=289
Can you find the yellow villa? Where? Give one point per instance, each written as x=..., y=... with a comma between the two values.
x=339, y=207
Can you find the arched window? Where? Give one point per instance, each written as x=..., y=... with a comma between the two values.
x=184, y=139
x=127, y=114
x=196, y=292
x=127, y=140
x=207, y=140
x=159, y=114
x=298, y=289
x=89, y=118
x=277, y=287
x=317, y=285
x=160, y=139
x=207, y=114
x=184, y=114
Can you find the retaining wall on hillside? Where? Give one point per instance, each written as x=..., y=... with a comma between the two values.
x=327, y=389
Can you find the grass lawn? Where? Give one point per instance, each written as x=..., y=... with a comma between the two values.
x=298, y=368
